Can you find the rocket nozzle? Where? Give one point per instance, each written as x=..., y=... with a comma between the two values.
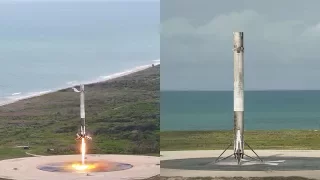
x=80, y=136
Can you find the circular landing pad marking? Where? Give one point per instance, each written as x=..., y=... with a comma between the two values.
x=91, y=166
x=230, y=164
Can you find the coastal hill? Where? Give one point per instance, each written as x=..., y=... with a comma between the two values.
x=122, y=116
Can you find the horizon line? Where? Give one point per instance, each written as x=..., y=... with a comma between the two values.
x=190, y=90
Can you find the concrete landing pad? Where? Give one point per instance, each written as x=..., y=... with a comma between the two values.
x=303, y=163
x=230, y=164
x=127, y=167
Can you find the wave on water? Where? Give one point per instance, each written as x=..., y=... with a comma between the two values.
x=20, y=96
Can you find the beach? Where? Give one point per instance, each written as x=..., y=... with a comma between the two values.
x=20, y=96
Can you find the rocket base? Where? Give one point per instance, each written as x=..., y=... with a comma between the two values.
x=238, y=156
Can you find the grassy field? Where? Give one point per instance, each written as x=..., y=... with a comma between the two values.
x=122, y=116
x=211, y=140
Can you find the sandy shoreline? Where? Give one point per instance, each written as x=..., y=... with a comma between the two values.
x=17, y=97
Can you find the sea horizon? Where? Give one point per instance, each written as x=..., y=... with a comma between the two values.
x=244, y=90
x=24, y=95
x=263, y=110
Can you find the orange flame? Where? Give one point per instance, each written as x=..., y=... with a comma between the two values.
x=83, y=150
x=81, y=167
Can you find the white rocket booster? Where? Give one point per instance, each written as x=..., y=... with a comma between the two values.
x=82, y=133
x=238, y=102
x=238, y=95
x=82, y=110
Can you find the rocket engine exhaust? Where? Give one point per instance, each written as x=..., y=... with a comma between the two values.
x=83, y=150
x=238, y=102
x=82, y=134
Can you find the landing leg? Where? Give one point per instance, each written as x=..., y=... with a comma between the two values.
x=223, y=158
x=253, y=158
x=238, y=155
x=253, y=152
x=218, y=159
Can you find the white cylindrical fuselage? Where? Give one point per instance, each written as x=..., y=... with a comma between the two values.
x=238, y=50
x=82, y=110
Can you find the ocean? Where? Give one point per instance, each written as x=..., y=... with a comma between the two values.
x=46, y=45
x=264, y=110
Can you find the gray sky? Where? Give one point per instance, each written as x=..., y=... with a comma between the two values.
x=282, y=44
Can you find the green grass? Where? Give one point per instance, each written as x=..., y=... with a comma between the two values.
x=211, y=140
x=122, y=116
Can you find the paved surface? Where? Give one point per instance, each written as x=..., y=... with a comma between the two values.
x=26, y=168
x=275, y=163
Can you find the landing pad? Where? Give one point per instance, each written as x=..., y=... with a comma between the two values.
x=303, y=163
x=115, y=167
x=268, y=164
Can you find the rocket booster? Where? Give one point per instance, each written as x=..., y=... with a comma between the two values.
x=82, y=110
x=82, y=133
x=238, y=95
x=238, y=102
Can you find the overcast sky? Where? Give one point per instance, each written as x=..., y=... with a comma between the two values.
x=281, y=39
